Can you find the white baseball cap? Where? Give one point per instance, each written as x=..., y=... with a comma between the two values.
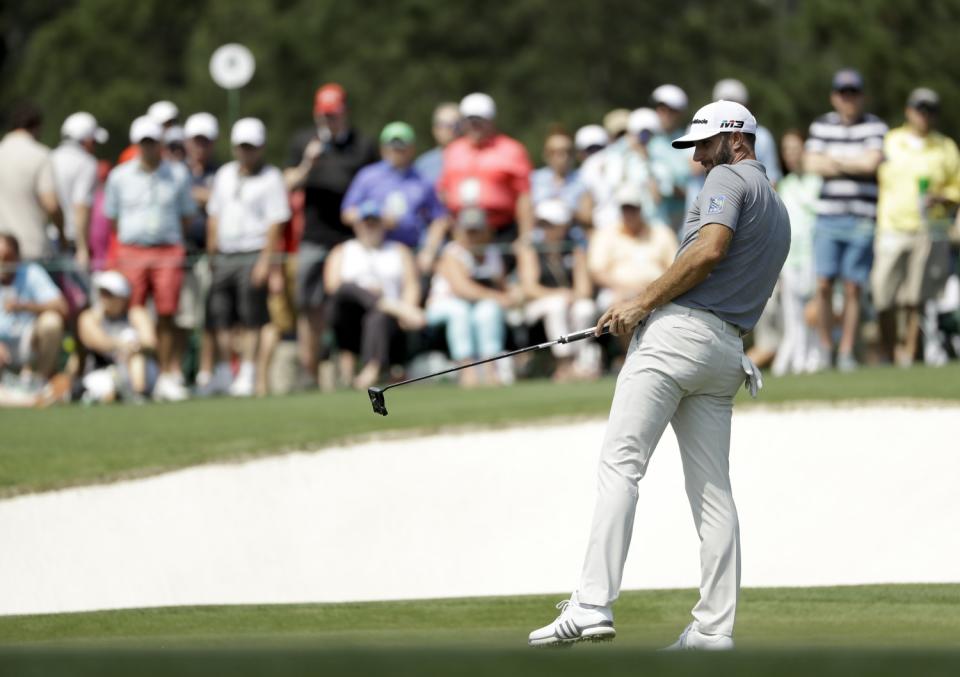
x=248, y=130
x=671, y=96
x=644, y=119
x=163, y=112
x=173, y=134
x=145, y=127
x=478, y=105
x=81, y=126
x=201, y=124
x=113, y=282
x=716, y=118
x=631, y=194
x=591, y=135
x=555, y=212
x=731, y=89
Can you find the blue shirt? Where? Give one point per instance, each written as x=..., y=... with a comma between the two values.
x=149, y=206
x=740, y=197
x=678, y=163
x=430, y=165
x=31, y=284
x=543, y=187
x=402, y=195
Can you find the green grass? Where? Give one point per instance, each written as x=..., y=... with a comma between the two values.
x=883, y=630
x=80, y=445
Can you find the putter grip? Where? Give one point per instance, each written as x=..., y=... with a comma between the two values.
x=580, y=335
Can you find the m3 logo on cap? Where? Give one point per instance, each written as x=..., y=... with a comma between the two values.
x=716, y=204
x=731, y=124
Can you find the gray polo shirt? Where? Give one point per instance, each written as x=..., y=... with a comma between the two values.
x=740, y=197
x=149, y=206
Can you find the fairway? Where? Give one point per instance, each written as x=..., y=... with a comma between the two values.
x=879, y=630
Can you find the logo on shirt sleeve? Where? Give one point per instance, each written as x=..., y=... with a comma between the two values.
x=716, y=204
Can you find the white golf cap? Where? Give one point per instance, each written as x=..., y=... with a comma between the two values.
x=81, y=126
x=250, y=131
x=670, y=95
x=555, y=212
x=631, y=194
x=644, y=119
x=145, y=128
x=201, y=124
x=163, y=112
x=113, y=282
x=589, y=136
x=731, y=89
x=478, y=105
x=716, y=118
x=173, y=134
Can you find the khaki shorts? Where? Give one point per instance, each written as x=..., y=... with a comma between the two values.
x=191, y=312
x=908, y=269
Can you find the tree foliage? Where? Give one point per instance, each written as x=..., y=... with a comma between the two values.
x=543, y=61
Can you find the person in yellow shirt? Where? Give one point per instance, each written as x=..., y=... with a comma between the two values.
x=919, y=182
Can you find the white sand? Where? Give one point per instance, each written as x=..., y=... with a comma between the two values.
x=826, y=496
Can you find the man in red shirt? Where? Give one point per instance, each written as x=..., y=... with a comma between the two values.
x=488, y=170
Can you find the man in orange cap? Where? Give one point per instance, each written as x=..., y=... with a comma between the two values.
x=322, y=162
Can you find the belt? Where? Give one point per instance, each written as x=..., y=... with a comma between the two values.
x=707, y=316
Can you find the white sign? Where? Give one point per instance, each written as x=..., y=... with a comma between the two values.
x=232, y=66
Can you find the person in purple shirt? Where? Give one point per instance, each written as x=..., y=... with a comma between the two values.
x=410, y=208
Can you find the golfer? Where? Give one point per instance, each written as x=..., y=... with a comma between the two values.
x=683, y=367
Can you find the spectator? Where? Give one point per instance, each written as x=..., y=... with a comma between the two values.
x=119, y=339
x=75, y=178
x=407, y=204
x=173, y=148
x=670, y=104
x=731, y=89
x=101, y=236
x=590, y=139
x=374, y=292
x=627, y=162
x=247, y=211
x=799, y=190
x=615, y=123
x=559, y=179
x=468, y=295
x=323, y=161
x=845, y=147
x=488, y=170
x=201, y=131
x=28, y=197
x=32, y=312
x=149, y=204
x=164, y=113
x=556, y=284
x=446, y=127
x=623, y=260
x=919, y=181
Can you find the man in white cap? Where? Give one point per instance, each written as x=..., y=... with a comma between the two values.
x=731, y=89
x=487, y=169
x=247, y=211
x=670, y=103
x=590, y=139
x=684, y=365
x=148, y=202
x=164, y=113
x=75, y=178
x=628, y=161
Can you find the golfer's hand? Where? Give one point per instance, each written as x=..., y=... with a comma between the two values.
x=622, y=318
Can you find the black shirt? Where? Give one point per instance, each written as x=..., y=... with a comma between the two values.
x=328, y=181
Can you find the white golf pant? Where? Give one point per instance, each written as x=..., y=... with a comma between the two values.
x=683, y=367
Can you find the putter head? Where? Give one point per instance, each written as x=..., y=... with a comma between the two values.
x=376, y=399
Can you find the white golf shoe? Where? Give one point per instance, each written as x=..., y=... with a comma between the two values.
x=691, y=639
x=574, y=624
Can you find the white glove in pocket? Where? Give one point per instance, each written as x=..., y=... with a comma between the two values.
x=753, y=381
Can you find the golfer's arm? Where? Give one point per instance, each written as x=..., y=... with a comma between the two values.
x=691, y=268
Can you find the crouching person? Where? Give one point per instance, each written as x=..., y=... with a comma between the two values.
x=373, y=292
x=556, y=282
x=247, y=210
x=120, y=340
x=31, y=330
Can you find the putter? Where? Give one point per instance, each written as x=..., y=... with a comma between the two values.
x=377, y=394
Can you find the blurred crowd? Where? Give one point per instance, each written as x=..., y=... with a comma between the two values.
x=174, y=273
